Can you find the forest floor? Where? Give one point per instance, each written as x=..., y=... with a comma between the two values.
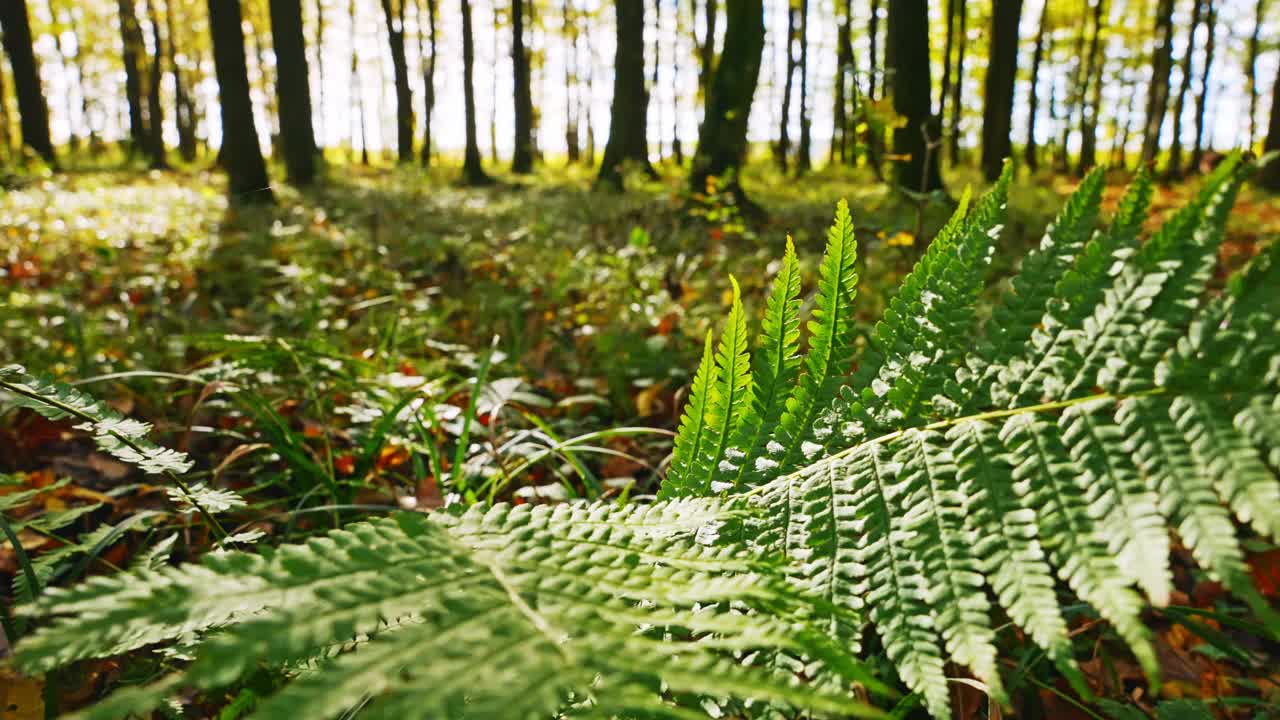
x=305, y=324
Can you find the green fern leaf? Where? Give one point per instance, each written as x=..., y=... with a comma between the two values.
x=688, y=456
x=731, y=399
x=775, y=368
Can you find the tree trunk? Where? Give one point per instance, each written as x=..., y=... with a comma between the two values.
x=6, y=143
x=1252, y=77
x=1173, y=171
x=522, y=156
x=628, y=140
x=1002, y=70
x=957, y=86
x=293, y=91
x=804, y=161
x=570, y=21
x=948, y=45
x=1030, y=154
x=1202, y=98
x=907, y=69
x=184, y=111
x=393, y=13
x=320, y=75
x=155, y=112
x=873, y=51
x=33, y=112
x=722, y=139
x=707, y=49
x=1093, y=104
x=1269, y=177
x=677, y=146
x=493, y=94
x=133, y=46
x=839, y=115
x=358, y=130
x=1158, y=90
x=1121, y=141
x=428, y=76
x=783, y=151
x=241, y=152
x=472, y=170
x=66, y=62
x=1074, y=95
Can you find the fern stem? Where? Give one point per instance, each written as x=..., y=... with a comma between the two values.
x=209, y=520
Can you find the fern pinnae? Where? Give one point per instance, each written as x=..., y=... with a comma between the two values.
x=731, y=398
x=774, y=370
x=1129, y=518
x=830, y=348
x=687, y=454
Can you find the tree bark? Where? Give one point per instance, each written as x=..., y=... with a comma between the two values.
x=293, y=91
x=1202, y=98
x=947, y=48
x=428, y=76
x=472, y=170
x=6, y=144
x=804, y=160
x=783, y=151
x=707, y=49
x=393, y=13
x=522, y=156
x=1251, y=78
x=184, y=114
x=1269, y=177
x=1002, y=70
x=132, y=44
x=722, y=139
x=155, y=112
x=241, y=151
x=1075, y=93
x=1093, y=104
x=677, y=145
x=1158, y=90
x=1030, y=153
x=839, y=109
x=628, y=138
x=570, y=21
x=320, y=75
x=33, y=112
x=1173, y=171
x=873, y=51
x=907, y=69
x=957, y=87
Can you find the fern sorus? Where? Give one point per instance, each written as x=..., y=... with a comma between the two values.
x=1109, y=399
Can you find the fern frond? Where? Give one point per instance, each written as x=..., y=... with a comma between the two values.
x=730, y=399
x=500, y=612
x=689, y=455
x=774, y=370
x=799, y=435
x=115, y=434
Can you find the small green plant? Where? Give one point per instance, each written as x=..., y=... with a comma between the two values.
x=885, y=478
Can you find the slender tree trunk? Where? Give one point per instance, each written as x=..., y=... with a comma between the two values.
x=1030, y=153
x=722, y=140
x=873, y=51
x=183, y=107
x=393, y=13
x=359, y=129
x=1173, y=170
x=957, y=87
x=1158, y=90
x=1202, y=98
x=493, y=95
x=472, y=170
x=522, y=156
x=1251, y=78
x=1119, y=145
x=293, y=91
x=1269, y=177
x=573, y=151
x=628, y=141
x=33, y=112
x=907, y=69
x=947, y=48
x=657, y=64
x=1074, y=95
x=1093, y=105
x=589, y=156
x=133, y=46
x=1002, y=71
x=241, y=152
x=320, y=76
x=677, y=145
x=6, y=143
x=66, y=62
x=428, y=61
x=783, y=152
x=804, y=153
x=155, y=112
x=839, y=116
